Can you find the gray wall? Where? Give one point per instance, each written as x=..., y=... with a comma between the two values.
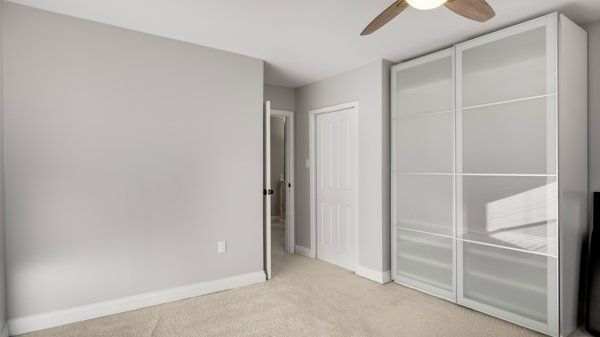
x=2, y=227
x=128, y=156
x=277, y=159
x=369, y=86
x=281, y=98
x=594, y=105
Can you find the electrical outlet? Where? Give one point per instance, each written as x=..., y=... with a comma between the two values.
x=222, y=247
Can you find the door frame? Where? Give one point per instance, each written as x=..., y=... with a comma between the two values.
x=290, y=227
x=312, y=139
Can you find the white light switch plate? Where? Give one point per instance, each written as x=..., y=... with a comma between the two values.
x=222, y=246
x=307, y=163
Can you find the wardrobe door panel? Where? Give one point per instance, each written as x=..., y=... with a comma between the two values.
x=512, y=138
x=505, y=67
x=426, y=262
x=425, y=144
x=513, y=212
x=424, y=87
x=507, y=185
x=422, y=169
x=425, y=203
x=518, y=286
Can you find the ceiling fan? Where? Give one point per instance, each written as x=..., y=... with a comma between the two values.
x=477, y=10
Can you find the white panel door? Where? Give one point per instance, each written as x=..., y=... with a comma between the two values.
x=336, y=187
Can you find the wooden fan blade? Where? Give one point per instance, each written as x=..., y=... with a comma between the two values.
x=385, y=17
x=477, y=10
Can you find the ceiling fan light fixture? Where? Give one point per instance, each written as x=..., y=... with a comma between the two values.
x=425, y=4
x=476, y=10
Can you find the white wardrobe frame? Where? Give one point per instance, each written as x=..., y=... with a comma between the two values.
x=567, y=42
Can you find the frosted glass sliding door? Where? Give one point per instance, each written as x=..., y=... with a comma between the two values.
x=507, y=179
x=423, y=127
x=485, y=212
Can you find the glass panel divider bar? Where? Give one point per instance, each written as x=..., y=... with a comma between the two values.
x=423, y=174
x=476, y=174
x=505, y=247
x=507, y=101
x=424, y=232
x=506, y=175
x=421, y=115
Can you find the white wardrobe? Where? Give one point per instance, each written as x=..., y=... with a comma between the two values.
x=489, y=173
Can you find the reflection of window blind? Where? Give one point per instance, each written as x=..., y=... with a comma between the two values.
x=529, y=207
x=535, y=238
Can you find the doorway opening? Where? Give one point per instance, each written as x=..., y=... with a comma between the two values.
x=279, y=184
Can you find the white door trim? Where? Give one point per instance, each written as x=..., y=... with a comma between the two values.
x=290, y=227
x=312, y=138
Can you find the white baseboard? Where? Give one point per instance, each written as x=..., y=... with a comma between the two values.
x=300, y=250
x=382, y=277
x=56, y=318
x=4, y=332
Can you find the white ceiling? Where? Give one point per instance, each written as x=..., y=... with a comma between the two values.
x=303, y=41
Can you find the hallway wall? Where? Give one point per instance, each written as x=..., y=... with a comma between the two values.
x=281, y=98
x=277, y=159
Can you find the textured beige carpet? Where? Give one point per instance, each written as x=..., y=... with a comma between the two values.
x=305, y=298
